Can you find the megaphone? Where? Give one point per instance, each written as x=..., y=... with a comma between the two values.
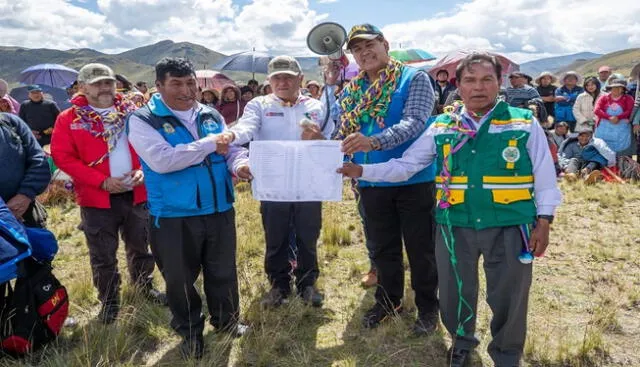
x=327, y=39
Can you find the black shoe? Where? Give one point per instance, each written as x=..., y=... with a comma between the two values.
x=377, y=314
x=109, y=312
x=155, y=296
x=236, y=329
x=274, y=298
x=426, y=323
x=192, y=347
x=311, y=296
x=458, y=357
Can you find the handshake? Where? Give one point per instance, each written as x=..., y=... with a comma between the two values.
x=222, y=141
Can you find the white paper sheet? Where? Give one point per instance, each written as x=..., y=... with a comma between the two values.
x=296, y=170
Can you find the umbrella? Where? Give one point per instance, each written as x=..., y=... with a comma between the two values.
x=249, y=61
x=450, y=61
x=212, y=79
x=58, y=95
x=411, y=55
x=54, y=75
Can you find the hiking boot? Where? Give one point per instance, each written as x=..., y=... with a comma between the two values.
x=109, y=312
x=311, y=296
x=274, y=298
x=458, y=357
x=192, y=347
x=426, y=323
x=155, y=296
x=571, y=177
x=370, y=279
x=593, y=177
x=377, y=314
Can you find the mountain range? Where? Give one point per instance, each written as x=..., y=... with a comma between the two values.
x=137, y=64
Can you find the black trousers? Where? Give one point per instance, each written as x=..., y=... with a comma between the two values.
x=395, y=215
x=183, y=247
x=307, y=221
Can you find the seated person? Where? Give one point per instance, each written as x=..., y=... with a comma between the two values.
x=584, y=156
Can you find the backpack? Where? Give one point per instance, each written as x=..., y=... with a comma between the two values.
x=33, y=312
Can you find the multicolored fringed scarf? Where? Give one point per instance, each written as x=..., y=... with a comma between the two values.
x=362, y=106
x=112, y=124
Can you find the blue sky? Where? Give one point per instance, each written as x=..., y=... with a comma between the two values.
x=521, y=29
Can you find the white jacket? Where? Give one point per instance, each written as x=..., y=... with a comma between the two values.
x=583, y=111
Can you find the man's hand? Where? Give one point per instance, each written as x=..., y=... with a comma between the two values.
x=137, y=177
x=636, y=129
x=539, y=237
x=356, y=142
x=561, y=99
x=351, y=170
x=19, y=205
x=222, y=142
x=614, y=119
x=311, y=132
x=115, y=185
x=244, y=173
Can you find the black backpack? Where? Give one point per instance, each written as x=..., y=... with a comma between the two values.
x=32, y=312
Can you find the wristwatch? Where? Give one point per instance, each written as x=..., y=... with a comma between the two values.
x=375, y=143
x=547, y=217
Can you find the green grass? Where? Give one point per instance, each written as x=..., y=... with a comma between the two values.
x=584, y=304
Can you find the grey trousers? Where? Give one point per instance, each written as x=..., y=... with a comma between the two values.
x=508, y=283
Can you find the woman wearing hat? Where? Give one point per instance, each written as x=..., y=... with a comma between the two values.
x=613, y=111
x=546, y=89
x=210, y=97
x=314, y=88
x=566, y=97
x=583, y=108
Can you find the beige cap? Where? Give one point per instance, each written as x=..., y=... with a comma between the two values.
x=92, y=73
x=284, y=65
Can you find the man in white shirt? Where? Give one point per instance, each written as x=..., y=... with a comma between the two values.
x=287, y=115
x=90, y=145
x=495, y=179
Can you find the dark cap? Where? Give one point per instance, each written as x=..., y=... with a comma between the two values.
x=34, y=88
x=363, y=31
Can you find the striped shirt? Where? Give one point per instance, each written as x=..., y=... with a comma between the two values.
x=518, y=97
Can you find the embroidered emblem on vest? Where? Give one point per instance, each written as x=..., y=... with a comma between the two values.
x=511, y=154
x=168, y=128
x=210, y=126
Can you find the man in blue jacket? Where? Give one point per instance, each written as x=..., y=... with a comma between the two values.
x=187, y=164
x=25, y=170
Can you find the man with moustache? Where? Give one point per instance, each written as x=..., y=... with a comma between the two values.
x=90, y=145
x=496, y=179
x=188, y=164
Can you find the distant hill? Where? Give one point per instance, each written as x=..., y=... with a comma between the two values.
x=620, y=61
x=200, y=56
x=553, y=64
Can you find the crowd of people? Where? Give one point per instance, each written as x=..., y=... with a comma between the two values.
x=451, y=169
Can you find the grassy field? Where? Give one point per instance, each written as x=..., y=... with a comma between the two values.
x=584, y=310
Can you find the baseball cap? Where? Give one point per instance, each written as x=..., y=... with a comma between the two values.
x=34, y=88
x=363, y=31
x=92, y=73
x=284, y=65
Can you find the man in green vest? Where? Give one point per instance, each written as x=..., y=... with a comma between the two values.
x=496, y=195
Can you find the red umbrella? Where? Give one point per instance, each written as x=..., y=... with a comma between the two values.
x=212, y=79
x=450, y=61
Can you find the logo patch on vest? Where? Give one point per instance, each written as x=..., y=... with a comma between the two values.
x=168, y=128
x=210, y=126
x=511, y=154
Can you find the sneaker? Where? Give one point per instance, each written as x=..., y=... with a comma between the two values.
x=457, y=357
x=311, y=296
x=377, y=314
x=571, y=177
x=593, y=177
x=155, y=296
x=274, y=298
x=109, y=312
x=192, y=347
x=425, y=324
x=370, y=279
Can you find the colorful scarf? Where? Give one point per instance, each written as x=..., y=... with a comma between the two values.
x=362, y=106
x=112, y=125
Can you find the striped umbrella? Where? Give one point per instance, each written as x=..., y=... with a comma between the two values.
x=411, y=55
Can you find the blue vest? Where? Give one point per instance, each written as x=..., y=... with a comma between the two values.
x=201, y=189
x=394, y=115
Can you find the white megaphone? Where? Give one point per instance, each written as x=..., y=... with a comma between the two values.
x=327, y=39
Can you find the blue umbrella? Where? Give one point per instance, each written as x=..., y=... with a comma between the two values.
x=58, y=95
x=249, y=61
x=54, y=75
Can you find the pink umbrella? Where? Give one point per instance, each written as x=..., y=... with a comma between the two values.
x=212, y=79
x=450, y=61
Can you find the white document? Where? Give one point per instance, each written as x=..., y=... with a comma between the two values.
x=297, y=170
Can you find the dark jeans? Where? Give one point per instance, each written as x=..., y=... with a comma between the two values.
x=102, y=228
x=184, y=246
x=403, y=214
x=368, y=243
x=277, y=224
